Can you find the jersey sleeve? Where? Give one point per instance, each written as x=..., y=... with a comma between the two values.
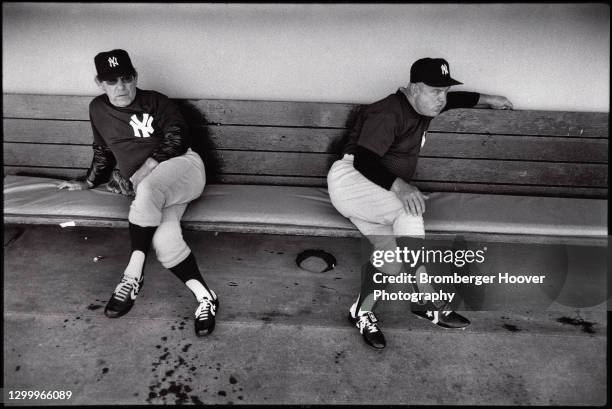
x=370, y=165
x=176, y=138
x=103, y=161
x=461, y=99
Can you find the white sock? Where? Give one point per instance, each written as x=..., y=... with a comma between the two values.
x=369, y=300
x=367, y=304
x=198, y=289
x=134, y=267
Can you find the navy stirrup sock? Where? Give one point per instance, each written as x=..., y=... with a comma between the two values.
x=141, y=237
x=368, y=286
x=188, y=270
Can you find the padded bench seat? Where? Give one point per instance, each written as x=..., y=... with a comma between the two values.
x=308, y=211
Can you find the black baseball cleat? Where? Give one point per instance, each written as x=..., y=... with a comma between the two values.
x=366, y=322
x=123, y=297
x=205, y=315
x=444, y=319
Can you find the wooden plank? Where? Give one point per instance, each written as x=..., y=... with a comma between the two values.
x=274, y=113
x=486, y=188
x=512, y=172
x=79, y=156
x=264, y=228
x=514, y=189
x=516, y=147
x=282, y=139
x=277, y=139
x=46, y=106
x=47, y=131
x=333, y=115
x=274, y=163
x=56, y=173
x=451, y=145
x=10, y=219
x=269, y=180
x=271, y=113
x=44, y=155
x=79, y=220
x=259, y=228
x=220, y=137
x=427, y=186
x=430, y=169
x=317, y=165
x=520, y=238
x=487, y=121
x=551, y=123
x=70, y=173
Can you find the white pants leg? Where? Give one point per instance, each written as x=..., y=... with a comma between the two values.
x=376, y=212
x=168, y=242
x=178, y=180
x=161, y=200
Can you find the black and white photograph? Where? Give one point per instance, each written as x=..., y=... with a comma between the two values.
x=305, y=204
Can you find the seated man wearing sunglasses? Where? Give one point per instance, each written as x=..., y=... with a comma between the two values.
x=145, y=135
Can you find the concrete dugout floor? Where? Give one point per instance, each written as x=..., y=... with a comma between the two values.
x=282, y=336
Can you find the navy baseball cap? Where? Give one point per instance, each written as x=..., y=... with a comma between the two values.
x=113, y=64
x=434, y=72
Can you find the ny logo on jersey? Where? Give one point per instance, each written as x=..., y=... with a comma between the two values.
x=444, y=69
x=143, y=126
x=112, y=61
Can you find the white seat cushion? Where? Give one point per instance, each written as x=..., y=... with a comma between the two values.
x=253, y=207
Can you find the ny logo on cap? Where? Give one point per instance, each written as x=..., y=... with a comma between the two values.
x=444, y=69
x=143, y=126
x=112, y=61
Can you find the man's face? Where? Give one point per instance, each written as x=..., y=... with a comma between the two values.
x=120, y=91
x=428, y=100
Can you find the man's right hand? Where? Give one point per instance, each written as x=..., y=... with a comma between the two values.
x=411, y=197
x=118, y=184
x=74, y=185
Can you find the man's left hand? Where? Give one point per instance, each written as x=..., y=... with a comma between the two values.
x=494, y=102
x=499, y=102
x=142, y=172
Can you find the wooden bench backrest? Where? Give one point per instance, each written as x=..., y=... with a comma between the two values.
x=541, y=153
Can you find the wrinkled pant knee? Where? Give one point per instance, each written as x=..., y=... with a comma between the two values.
x=407, y=225
x=169, y=245
x=146, y=208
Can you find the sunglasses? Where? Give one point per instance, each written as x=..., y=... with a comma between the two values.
x=126, y=79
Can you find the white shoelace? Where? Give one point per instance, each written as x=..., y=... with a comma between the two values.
x=435, y=315
x=445, y=312
x=367, y=321
x=127, y=286
x=205, y=308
